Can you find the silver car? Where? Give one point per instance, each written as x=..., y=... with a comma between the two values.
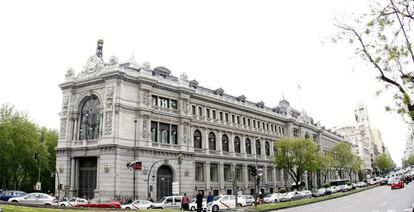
x=35, y=198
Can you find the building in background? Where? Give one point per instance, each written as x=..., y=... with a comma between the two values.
x=409, y=143
x=378, y=144
x=359, y=134
x=116, y=112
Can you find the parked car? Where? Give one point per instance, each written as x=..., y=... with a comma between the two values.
x=221, y=203
x=169, y=202
x=346, y=188
x=272, y=198
x=35, y=198
x=361, y=184
x=319, y=192
x=138, y=204
x=72, y=202
x=383, y=181
x=397, y=183
x=245, y=200
x=306, y=194
x=297, y=195
x=6, y=195
x=193, y=205
x=287, y=196
x=100, y=203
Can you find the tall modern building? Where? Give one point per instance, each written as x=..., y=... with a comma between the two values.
x=359, y=135
x=377, y=143
x=115, y=112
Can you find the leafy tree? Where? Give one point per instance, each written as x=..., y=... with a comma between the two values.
x=24, y=148
x=342, y=157
x=383, y=163
x=296, y=155
x=323, y=165
x=355, y=166
x=383, y=38
x=409, y=161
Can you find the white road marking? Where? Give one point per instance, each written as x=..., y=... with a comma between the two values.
x=384, y=203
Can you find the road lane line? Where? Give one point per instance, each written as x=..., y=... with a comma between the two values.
x=384, y=203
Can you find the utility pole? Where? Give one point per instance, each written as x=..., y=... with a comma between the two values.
x=180, y=161
x=135, y=146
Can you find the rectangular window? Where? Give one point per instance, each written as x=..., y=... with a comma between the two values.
x=263, y=125
x=258, y=125
x=227, y=117
x=199, y=172
x=238, y=119
x=154, y=100
x=244, y=121
x=227, y=173
x=214, y=114
x=208, y=113
x=200, y=111
x=239, y=173
x=163, y=102
x=174, y=134
x=221, y=116
x=154, y=130
x=232, y=119
x=193, y=110
x=250, y=174
x=267, y=126
x=173, y=104
x=254, y=123
x=164, y=133
x=248, y=122
x=269, y=174
x=214, y=172
x=295, y=132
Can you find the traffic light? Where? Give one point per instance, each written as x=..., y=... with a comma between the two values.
x=254, y=172
x=150, y=188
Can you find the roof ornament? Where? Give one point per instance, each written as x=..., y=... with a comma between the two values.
x=99, y=48
x=241, y=98
x=193, y=84
x=219, y=91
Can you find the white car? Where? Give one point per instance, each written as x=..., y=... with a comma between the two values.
x=287, y=196
x=35, y=198
x=306, y=194
x=72, y=202
x=272, y=198
x=169, y=202
x=244, y=200
x=193, y=205
x=138, y=204
x=222, y=202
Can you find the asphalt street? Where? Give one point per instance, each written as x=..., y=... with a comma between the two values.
x=379, y=199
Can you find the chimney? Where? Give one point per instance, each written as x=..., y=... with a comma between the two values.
x=99, y=48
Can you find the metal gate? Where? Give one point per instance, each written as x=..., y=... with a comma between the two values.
x=164, y=182
x=87, y=177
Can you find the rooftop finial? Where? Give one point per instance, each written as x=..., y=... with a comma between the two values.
x=99, y=48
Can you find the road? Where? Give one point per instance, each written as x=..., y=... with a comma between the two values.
x=379, y=199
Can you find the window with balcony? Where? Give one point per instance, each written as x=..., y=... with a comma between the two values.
x=197, y=140
x=237, y=144
x=225, y=143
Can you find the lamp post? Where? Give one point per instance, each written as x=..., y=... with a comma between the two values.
x=135, y=146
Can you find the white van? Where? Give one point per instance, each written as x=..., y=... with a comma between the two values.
x=221, y=203
x=169, y=202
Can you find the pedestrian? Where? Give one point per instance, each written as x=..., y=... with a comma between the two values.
x=210, y=197
x=185, y=201
x=199, y=201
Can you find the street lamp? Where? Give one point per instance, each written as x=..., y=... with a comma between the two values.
x=135, y=146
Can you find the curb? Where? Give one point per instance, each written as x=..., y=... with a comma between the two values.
x=292, y=206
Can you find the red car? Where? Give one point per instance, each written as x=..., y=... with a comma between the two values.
x=100, y=203
x=397, y=183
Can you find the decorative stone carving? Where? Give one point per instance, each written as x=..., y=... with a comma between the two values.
x=241, y=98
x=144, y=126
x=185, y=130
x=184, y=76
x=70, y=74
x=109, y=110
x=145, y=97
x=193, y=83
x=260, y=104
x=93, y=66
x=63, y=128
x=65, y=106
x=219, y=91
x=146, y=66
x=113, y=60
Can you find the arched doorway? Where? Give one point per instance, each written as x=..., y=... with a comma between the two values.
x=164, y=182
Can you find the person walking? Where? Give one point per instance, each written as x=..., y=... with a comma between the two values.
x=199, y=201
x=185, y=201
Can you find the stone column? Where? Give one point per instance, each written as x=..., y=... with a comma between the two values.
x=274, y=177
x=204, y=142
x=221, y=176
x=265, y=176
x=243, y=146
x=245, y=178
x=98, y=173
x=219, y=147
x=207, y=175
x=231, y=144
x=72, y=176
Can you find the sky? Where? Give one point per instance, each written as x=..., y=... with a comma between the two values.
x=265, y=50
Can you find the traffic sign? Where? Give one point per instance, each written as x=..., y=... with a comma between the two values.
x=38, y=186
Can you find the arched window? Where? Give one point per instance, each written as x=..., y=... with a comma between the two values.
x=267, y=148
x=258, y=148
x=197, y=139
x=211, y=141
x=225, y=143
x=248, y=146
x=90, y=119
x=237, y=144
x=164, y=137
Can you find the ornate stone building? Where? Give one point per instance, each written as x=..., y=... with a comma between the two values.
x=110, y=106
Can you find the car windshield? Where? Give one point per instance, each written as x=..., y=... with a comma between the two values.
x=216, y=198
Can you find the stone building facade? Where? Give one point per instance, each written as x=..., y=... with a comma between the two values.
x=110, y=107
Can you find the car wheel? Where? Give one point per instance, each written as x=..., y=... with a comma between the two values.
x=15, y=201
x=240, y=205
x=62, y=205
x=127, y=208
x=81, y=206
x=215, y=208
x=47, y=204
x=192, y=208
x=276, y=201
